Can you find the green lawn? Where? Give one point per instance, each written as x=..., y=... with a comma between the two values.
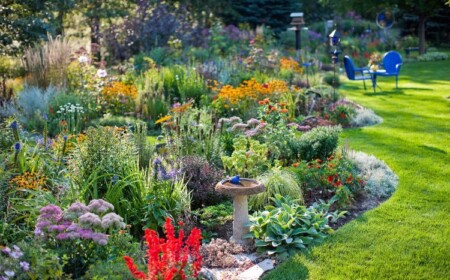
x=408, y=236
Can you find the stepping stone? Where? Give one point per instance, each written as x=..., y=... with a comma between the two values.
x=254, y=272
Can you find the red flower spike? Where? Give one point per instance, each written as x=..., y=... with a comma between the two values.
x=170, y=258
x=133, y=268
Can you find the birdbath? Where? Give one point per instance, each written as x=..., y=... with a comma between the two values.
x=239, y=189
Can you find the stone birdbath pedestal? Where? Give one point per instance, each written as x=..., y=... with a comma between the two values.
x=239, y=189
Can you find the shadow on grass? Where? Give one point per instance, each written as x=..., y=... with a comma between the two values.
x=300, y=272
x=434, y=149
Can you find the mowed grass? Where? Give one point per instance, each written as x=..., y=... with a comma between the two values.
x=408, y=236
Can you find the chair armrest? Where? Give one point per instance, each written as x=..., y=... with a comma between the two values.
x=397, y=66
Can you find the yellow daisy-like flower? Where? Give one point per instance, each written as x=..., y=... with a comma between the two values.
x=163, y=119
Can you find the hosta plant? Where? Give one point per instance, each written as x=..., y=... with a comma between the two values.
x=289, y=228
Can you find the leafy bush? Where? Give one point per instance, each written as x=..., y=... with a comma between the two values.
x=33, y=102
x=336, y=177
x=319, y=143
x=201, y=177
x=365, y=117
x=381, y=180
x=432, y=56
x=215, y=216
x=332, y=80
x=289, y=228
x=276, y=181
x=248, y=159
x=105, y=154
x=116, y=121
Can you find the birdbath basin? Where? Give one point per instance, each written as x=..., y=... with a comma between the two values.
x=239, y=190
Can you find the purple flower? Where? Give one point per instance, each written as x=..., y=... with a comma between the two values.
x=6, y=250
x=238, y=126
x=89, y=220
x=13, y=125
x=16, y=254
x=62, y=236
x=65, y=138
x=25, y=266
x=44, y=116
x=9, y=273
x=85, y=233
x=51, y=212
x=112, y=220
x=99, y=206
x=157, y=161
x=304, y=127
x=253, y=121
x=75, y=210
x=17, y=146
x=100, y=238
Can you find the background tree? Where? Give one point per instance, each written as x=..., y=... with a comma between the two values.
x=258, y=12
x=96, y=10
x=423, y=9
x=22, y=23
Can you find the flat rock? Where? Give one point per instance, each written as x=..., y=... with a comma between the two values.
x=254, y=272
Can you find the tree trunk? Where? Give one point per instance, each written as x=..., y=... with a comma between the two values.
x=95, y=30
x=422, y=19
x=60, y=21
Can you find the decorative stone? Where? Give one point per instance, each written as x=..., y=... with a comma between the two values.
x=239, y=193
x=254, y=272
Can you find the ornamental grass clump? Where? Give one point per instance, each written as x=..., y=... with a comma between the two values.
x=276, y=181
x=171, y=257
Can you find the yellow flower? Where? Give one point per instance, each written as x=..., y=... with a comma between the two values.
x=163, y=119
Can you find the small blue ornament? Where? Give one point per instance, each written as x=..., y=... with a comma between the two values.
x=235, y=180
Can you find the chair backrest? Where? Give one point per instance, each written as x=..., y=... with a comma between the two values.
x=349, y=68
x=390, y=61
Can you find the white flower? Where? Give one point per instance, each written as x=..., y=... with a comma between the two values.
x=9, y=273
x=101, y=73
x=83, y=59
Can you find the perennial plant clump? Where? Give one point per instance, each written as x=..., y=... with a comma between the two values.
x=171, y=257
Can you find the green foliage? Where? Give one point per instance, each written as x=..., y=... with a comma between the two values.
x=117, y=121
x=336, y=177
x=289, y=228
x=332, y=80
x=23, y=23
x=167, y=198
x=214, y=216
x=319, y=143
x=248, y=159
x=276, y=181
x=195, y=133
x=32, y=103
x=44, y=263
x=432, y=56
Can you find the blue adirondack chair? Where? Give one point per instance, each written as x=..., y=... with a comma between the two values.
x=392, y=62
x=352, y=71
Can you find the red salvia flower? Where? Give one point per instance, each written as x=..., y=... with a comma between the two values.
x=170, y=258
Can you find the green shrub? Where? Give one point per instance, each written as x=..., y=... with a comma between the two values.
x=319, y=143
x=289, y=228
x=432, y=56
x=276, y=181
x=116, y=121
x=212, y=217
x=332, y=80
